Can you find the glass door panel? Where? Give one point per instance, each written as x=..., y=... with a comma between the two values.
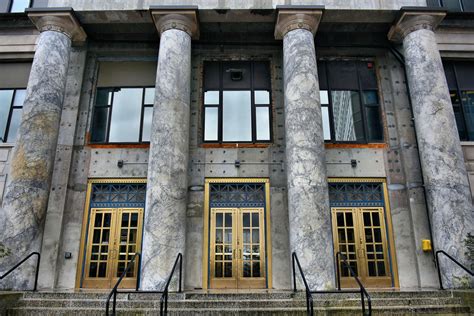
x=100, y=252
x=128, y=241
x=251, y=248
x=223, y=248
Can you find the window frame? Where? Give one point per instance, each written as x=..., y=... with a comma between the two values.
x=109, y=118
x=363, y=106
x=220, y=106
x=452, y=63
x=4, y=137
x=10, y=6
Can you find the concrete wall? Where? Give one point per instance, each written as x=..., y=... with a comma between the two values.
x=231, y=4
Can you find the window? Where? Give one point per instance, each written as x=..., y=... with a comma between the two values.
x=14, y=6
x=349, y=102
x=237, y=102
x=11, y=108
x=122, y=115
x=453, y=5
x=460, y=78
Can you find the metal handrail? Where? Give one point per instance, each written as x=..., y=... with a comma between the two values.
x=114, y=290
x=164, y=296
x=363, y=291
x=453, y=260
x=21, y=262
x=309, y=297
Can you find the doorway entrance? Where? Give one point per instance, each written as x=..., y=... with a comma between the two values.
x=112, y=233
x=237, y=247
x=360, y=225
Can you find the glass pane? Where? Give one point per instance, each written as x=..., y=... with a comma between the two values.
x=104, y=97
x=228, y=236
x=326, y=124
x=219, y=220
x=227, y=269
x=218, y=271
x=452, y=5
x=14, y=125
x=147, y=119
x=5, y=103
x=340, y=219
x=210, y=123
x=458, y=115
x=255, y=220
x=263, y=123
x=237, y=122
x=255, y=236
x=228, y=220
x=99, y=125
x=246, y=266
x=262, y=97
x=347, y=116
x=468, y=103
x=19, y=97
x=324, y=97
x=219, y=238
x=149, y=95
x=246, y=220
x=126, y=114
x=374, y=125
x=256, y=269
x=211, y=97
x=19, y=5
x=370, y=97
x=246, y=236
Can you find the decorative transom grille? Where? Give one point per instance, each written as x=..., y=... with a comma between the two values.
x=118, y=195
x=356, y=194
x=237, y=195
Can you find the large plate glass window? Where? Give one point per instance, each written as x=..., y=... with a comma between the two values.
x=122, y=115
x=349, y=102
x=237, y=102
x=460, y=78
x=11, y=108
x=453, y=5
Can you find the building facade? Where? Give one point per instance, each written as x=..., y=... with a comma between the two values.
x=236, y=133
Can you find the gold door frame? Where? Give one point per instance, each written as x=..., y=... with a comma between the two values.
x=206, y=218
x=388, y=221
x=85, y=220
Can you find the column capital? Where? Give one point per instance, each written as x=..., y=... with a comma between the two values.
x=184, y=18
x=413, y=19
x=62, y=20
x=297, y=17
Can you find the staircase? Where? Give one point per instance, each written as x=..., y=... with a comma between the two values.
x=259, y=303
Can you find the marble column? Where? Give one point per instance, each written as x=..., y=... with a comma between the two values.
x=166, y=201
x=449, y=198
x=308, y=202
x=26, y=196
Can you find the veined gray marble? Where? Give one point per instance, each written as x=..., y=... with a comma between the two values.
x=26, y=197
x=165, y=216
x=308, y=202
x=442, y=160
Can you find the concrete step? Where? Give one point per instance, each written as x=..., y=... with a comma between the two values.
x=238, y=304
x=339, y=311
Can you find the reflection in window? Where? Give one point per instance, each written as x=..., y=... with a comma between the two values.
x=11, y=109
x=237, y=108
x=19, y=6
x=122, y=115
x=349, y=102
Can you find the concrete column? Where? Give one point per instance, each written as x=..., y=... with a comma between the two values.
x=28, y=185
x=308, y=202
x=445, y=176
x=166, y=202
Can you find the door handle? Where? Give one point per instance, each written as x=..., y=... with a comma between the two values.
x=240, y=252
x=234, y=254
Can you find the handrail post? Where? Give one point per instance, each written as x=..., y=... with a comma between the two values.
x=180, y=270
x=363, y=301
x=294, y=272
x=37, y=270
x=439, y=270
x=138, y=272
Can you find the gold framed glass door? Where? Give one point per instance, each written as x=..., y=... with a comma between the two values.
x=360, y=234
x=114, y=236
x=237, y=248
